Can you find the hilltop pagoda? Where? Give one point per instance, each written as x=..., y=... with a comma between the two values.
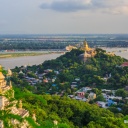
x=88, y=52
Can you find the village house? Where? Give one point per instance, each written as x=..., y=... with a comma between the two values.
x=84, y=89
x=125, y=64
x=91, y=96
x=115, y=97
x=101, y=104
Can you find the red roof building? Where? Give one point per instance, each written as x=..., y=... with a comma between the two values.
x=125, y=64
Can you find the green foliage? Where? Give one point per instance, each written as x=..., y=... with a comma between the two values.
x=69, y=65
x=100, y=98
x=30, y=74
x=96, y=91
x=9, y=94
x=121, y=92
x=5, y=116
x=3, y=70
x=69, y=112
x=113, y=109
x=63, y=125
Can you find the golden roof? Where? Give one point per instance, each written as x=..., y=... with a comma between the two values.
x=9, y=72
x=1, y=76
x=85, y=43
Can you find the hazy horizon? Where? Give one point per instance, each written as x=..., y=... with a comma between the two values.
x=65, y=34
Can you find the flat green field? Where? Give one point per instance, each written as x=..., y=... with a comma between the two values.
x=9, y=55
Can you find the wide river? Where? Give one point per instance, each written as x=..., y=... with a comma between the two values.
x=123, y=52
x=35, y=60
x=27, y=60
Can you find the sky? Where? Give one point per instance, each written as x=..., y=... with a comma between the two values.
x=63, y=16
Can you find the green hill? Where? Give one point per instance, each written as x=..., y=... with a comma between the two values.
x=67, y=112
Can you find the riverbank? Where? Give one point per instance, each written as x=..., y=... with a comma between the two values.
x=25, y=53
x=8, y=55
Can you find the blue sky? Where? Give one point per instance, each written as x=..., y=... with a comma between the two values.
x=63, y=16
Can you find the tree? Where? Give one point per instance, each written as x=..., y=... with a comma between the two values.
x=100, y=98
x=121, y=92
x=86, y=95
x=97, y=91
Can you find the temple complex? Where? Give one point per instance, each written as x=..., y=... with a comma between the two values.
x=88, y=52
x=70, y=47
x=7, y=93
x=9, y=74
x=3, y=86
x=85, y=46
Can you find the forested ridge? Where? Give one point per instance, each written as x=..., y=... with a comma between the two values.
x=69, y=113
x=70, y=66
x=45, y=101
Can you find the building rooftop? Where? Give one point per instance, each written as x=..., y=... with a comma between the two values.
x=125, y=64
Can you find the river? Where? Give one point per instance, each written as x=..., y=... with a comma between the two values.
x=32, y=60
x=123, y=52
x=27, y=60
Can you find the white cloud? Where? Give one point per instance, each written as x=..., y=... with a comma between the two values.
x=109, y=6
x=67, y=5
x=120, y=10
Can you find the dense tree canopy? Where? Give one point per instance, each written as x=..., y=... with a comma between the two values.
x=69, y=113
x=101, y=71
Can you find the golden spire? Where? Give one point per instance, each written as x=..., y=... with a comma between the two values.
x=34, y=116
x=9, y=72
x=85, y=44
x=12, y=93
x=1, y=90
x=10, y=84
x=20, y=104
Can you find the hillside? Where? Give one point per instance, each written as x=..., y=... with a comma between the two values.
x=35, y=84
x=68, y=67
x=65, y=112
